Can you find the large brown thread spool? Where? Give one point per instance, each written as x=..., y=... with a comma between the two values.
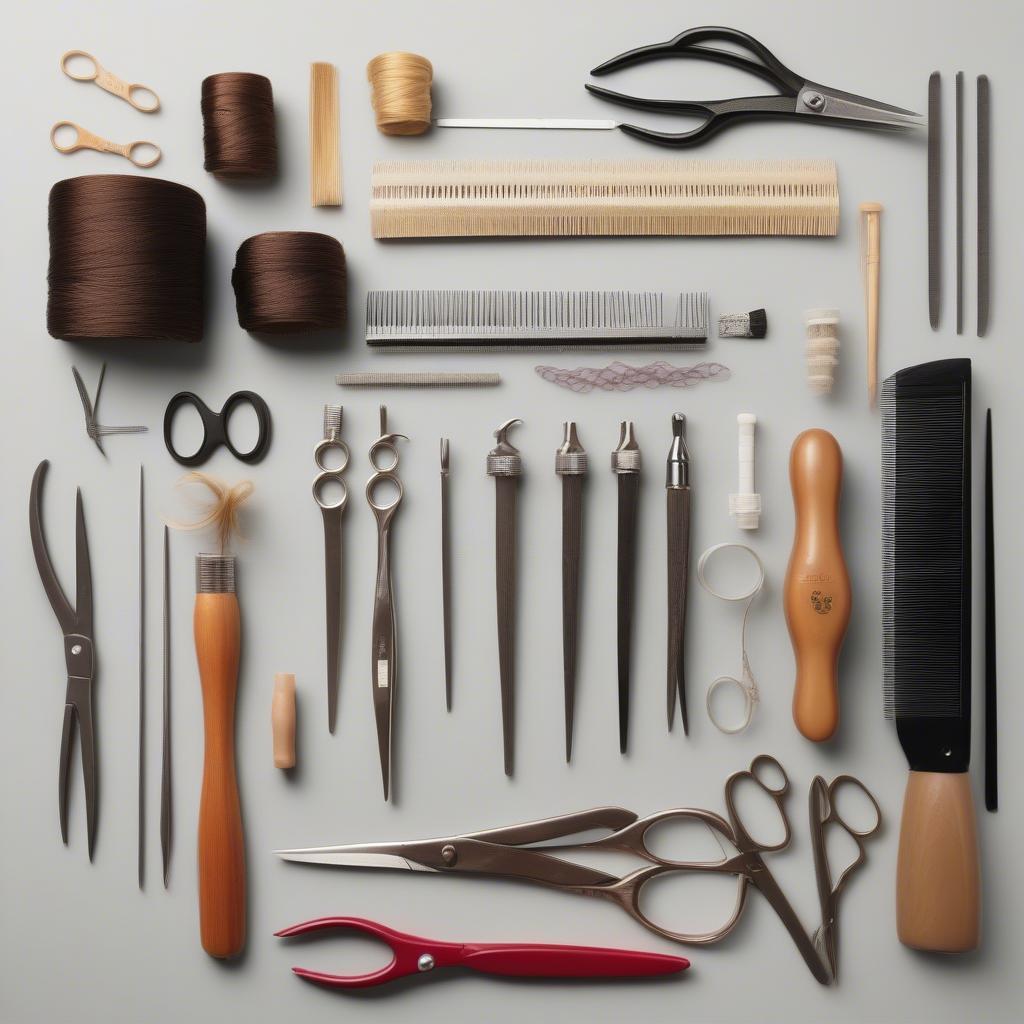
x=400, y=92
x=126, y=259
x=239, y=132
x=289, y=282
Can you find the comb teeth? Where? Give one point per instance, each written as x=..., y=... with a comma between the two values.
x=423, y=320
x=925, y=541
x=452, y=198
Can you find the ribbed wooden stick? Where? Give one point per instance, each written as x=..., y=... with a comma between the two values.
x=324, y=132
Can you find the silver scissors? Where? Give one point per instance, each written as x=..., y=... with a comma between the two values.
x=384, y=641
x=507, y=852
x=333, y=513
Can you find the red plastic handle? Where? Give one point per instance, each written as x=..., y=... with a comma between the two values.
x=415, y=955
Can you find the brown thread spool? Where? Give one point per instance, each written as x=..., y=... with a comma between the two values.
x=127, y=259
x=290, y=281
x=239, y=139
x=400, y=92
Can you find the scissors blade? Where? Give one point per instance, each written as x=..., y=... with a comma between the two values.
x=332, y=578
x=54, y=592
x=87, y=741
x=352, y=857
x=822, y=101
x=554, y=123
x=678, y=516
x=83, y=572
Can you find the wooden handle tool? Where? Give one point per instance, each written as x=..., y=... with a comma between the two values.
x=816, y=593
x=282, y=717
x=221, y=854
x=872, y=229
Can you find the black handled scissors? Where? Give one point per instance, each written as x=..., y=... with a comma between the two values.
x=77, y=626
x=797, y=96
x=215, y=427
x=507, y=852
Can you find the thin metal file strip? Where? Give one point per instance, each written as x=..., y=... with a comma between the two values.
x=677, y=485
x=934, y=198
x=984, y=209
x=446, y=572
x=626, y=466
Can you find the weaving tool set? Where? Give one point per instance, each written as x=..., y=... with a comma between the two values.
x=128, y=263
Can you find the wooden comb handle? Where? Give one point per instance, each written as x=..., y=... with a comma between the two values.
x=938, y=904
x=221, y=857
x=816, y=593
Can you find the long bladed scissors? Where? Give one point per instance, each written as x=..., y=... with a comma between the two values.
x=77, y=625
x=507, y=853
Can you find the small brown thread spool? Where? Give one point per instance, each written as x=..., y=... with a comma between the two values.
x=239, y=138
x=400, y=92
x=290, y=282
x=127, y=259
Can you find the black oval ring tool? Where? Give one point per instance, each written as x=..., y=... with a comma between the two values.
x=215, y=427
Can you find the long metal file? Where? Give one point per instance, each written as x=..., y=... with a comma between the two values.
x=626, y=467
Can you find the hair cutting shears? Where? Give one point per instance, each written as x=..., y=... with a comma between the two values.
x=513, y=853
x=414, y=955
x=79, y=652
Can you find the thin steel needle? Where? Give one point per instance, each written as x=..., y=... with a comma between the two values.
x=142, y=678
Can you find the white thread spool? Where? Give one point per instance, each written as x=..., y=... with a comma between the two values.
x=822, y=349
x=745, y=505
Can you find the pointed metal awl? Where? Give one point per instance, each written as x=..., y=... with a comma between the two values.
x=626, y=467
x=571, y=466
x=677, y=484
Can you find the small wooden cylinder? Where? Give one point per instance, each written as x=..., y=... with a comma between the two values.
x=282, y=720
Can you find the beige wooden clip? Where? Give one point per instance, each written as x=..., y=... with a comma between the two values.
x=282, y=719
x=126, y=91
x=84, y=139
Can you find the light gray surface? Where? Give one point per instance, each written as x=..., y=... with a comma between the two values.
x=80, y=942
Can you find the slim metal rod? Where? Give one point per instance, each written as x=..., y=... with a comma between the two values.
x=959, y=202
x=991, y=718
x=165, y=769
x=142, y=678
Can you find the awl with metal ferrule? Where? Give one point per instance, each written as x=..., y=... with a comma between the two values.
x=505, y=464
x=626, y=467
x=446, y=572
x=571, y=466
x=677, y=484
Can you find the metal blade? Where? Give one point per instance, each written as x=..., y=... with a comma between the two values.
x=87, y=741
x=572, y=534
x=678, y=523
x=834, y=103
x=959, y=109
x=984, y=209
x=934, y=198
x=83, y=572
x=446, y=574
x=165, y=766
x=332, y=577
x=629, y=494
x=55, y=593
x=556, y=123
x=505, y=572
x=62, y=770
x=142, y=678
x=349, y=857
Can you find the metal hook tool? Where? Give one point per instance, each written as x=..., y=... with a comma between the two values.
x=89, y=405
x=384, y=638
x=505, y=464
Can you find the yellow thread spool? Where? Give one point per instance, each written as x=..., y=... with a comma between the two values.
x=400, y=84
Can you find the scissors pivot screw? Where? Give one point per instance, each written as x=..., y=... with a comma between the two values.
x=814, y=100
x=448, y=854
x=425, y=962
x=77, y=649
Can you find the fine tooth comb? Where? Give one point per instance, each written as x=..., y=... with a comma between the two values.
x=487, y=321
x=926, y=608
x=457, y=198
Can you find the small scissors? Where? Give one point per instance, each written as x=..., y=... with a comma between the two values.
x=79, y=652
x=413, y=955
x=332, y=516
x=798, y=97
x=384, y=639
x=505, y=852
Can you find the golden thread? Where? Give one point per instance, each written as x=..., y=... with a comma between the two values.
x=400, y=92
x=223, y=513
x=324, y=131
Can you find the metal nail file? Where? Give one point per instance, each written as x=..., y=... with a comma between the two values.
x=505, y=464
x=626, y=467
x=446, y=572
x=934, y=198
x=677, y=485
x=571, y=467
x=991, y=688
x=959, y=113
x=984, y=209
x=142, y=678
x=165, y=759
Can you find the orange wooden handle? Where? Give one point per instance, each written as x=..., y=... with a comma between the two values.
x=221, y=857
x=816, y=593
x=937, y=876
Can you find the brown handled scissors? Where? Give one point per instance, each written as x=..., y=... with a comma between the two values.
x=506, y=853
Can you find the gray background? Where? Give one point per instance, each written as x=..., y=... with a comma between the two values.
x=81, y=941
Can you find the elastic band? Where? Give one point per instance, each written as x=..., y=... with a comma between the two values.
x=746, y=683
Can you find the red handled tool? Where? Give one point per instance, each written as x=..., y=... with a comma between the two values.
x=413, y=955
